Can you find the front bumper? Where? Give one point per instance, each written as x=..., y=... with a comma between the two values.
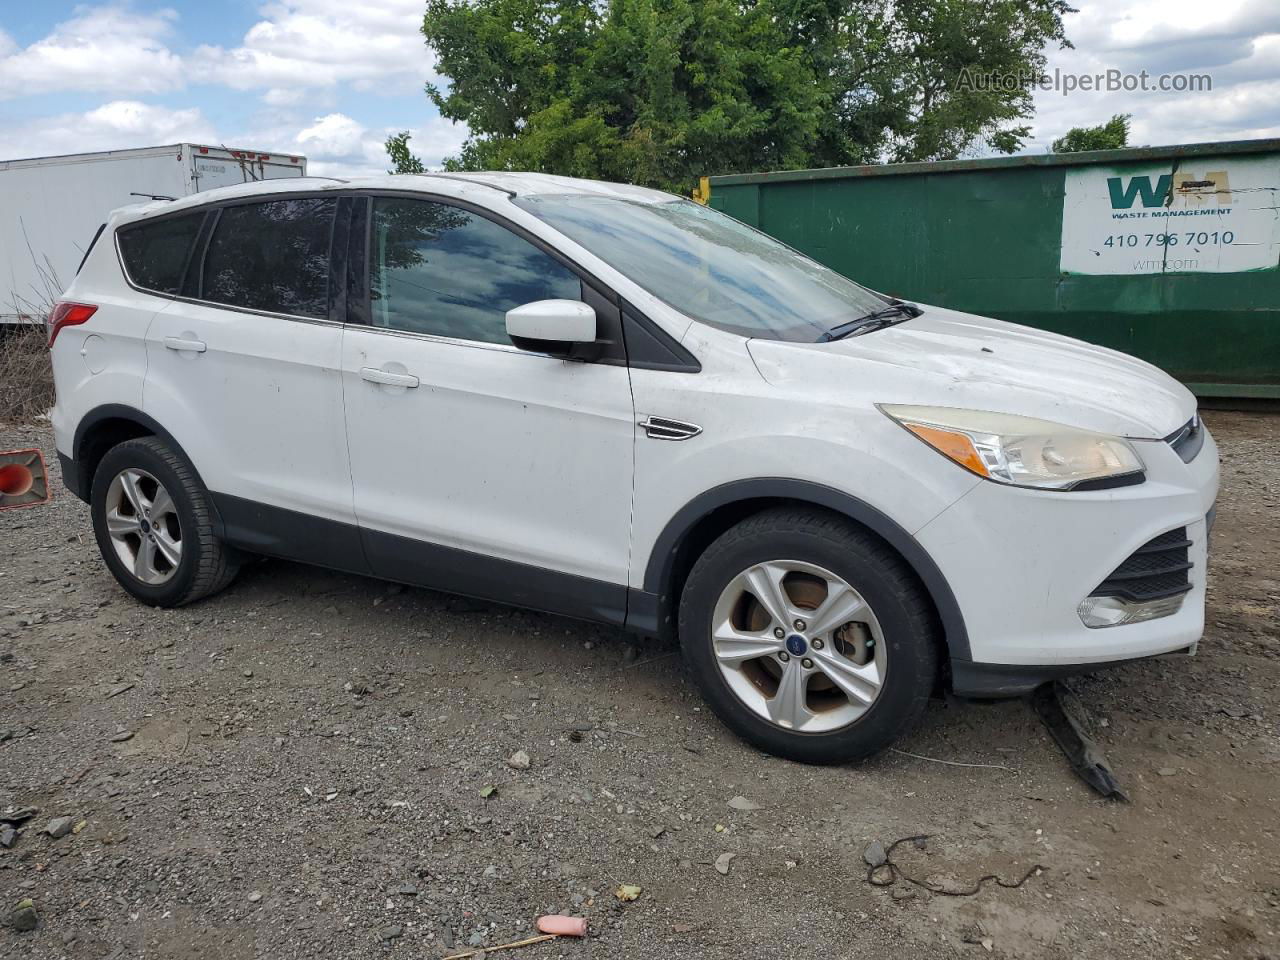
x=993, y=681
x=1020, y=561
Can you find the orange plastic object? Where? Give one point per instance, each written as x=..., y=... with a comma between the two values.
x=563, y=926
x=23, y=481
x=951, y=444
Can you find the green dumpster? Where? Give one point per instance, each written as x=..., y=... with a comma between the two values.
x=1168, y=253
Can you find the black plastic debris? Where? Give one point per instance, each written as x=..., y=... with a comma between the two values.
x=1086, y=758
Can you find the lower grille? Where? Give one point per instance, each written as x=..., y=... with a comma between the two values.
x=1157, y=569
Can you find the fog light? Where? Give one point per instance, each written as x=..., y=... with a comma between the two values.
x=1113, y=611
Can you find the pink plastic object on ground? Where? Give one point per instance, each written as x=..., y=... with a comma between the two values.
x=563, y=926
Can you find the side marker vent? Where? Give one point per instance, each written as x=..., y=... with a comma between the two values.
x=664, y=428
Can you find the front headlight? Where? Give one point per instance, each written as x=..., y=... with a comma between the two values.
x=1022, y=451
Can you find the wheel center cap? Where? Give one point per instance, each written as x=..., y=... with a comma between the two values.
x=146, y=526
x=796, y=645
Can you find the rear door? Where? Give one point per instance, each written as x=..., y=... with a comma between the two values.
x=478, y=467
x=244, y=372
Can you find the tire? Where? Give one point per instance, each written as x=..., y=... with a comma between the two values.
x=885, y=655
x=185, y=519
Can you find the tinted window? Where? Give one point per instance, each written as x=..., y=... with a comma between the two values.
x=441, y=270
x=710, y=266
x=155, y=253
x=272, y=256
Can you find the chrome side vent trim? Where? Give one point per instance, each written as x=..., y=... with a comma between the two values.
x=664, y=428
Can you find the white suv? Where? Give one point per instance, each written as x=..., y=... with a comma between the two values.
x=614, y=404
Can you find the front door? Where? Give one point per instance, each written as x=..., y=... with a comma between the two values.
x=480, y=468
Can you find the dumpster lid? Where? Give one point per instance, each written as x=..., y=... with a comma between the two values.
x=1083, y=158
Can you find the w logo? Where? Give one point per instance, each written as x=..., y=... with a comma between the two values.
x=1122, y=195
x=1187, y=188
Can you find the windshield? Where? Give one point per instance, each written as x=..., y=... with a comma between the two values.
x=709, y=266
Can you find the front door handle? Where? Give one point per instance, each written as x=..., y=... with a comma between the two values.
x=374, y=375
x=181, y=343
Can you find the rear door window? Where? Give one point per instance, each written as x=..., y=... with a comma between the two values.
x=272, y=256
x=156, y=252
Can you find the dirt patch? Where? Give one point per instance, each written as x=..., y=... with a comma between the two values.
x=307, y=747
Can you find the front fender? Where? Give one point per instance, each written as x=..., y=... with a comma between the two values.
x=658, y=570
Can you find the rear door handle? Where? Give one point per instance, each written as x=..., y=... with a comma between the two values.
x=179, y=343
x=374, y=375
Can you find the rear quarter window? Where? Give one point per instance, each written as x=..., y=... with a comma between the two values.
x=156, y=252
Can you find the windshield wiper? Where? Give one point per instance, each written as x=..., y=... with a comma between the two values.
x=895, y=312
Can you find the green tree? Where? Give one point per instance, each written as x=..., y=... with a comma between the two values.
x=1111, y=135
x=402, y=159
x=660, y=92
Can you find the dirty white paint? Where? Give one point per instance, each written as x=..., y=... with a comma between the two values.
x=1209, y=215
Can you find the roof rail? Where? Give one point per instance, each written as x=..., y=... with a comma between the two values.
x=307, y=176
x=483, y=183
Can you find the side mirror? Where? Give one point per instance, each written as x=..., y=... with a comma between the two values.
x=562, y=328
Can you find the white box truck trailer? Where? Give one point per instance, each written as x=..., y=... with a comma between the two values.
x=51, y=207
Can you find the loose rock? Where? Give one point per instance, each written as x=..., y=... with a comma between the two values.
x=518, y=760
x=19, y=817
x=24, y=917
x=59, y=827
x=874, y=855
x=742, y=803
x=722, y=863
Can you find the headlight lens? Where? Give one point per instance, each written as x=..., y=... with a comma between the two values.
x=1020, y=451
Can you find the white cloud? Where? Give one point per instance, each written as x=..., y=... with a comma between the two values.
x=109, y=49
x=296, y=46
x=284, y=97
x=117, y=125
x=335, y=134
x=339, y=146
x=334, y=144
x=304, y=44
x=1235, y=42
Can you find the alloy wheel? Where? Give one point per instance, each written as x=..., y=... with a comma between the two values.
x=142, y=521
x=798, y=646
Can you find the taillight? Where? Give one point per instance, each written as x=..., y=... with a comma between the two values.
x=68, y=315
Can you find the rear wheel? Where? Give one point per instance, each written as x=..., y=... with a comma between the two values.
x=153, y=522
x=808, y=636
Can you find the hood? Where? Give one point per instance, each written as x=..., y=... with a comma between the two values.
x=951, y=359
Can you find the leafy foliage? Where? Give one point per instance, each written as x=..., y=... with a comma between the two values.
x=1111, y=135
x=402, y=160
x=659, y=92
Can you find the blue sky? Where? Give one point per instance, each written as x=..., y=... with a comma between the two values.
x=326, y=78
x=331, y=78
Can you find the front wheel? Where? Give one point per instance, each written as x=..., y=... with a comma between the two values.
x=808, y=636
x=154, y=525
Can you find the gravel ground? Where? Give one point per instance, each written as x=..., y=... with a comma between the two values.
x=298, y=768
